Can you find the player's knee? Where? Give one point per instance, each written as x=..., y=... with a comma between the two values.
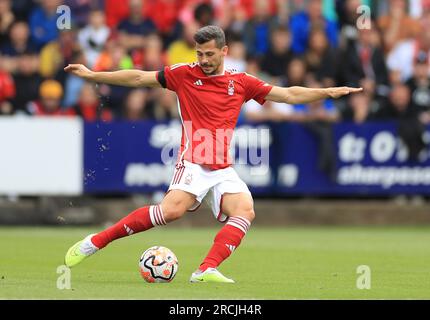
x=246, y=212
x=249, y=214
x=173, y=211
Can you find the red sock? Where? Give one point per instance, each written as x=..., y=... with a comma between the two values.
x=226, y=241
x=139, y=220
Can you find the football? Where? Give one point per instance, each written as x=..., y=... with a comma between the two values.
x=158, y=264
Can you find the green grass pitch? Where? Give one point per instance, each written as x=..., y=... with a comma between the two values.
x=272, y=263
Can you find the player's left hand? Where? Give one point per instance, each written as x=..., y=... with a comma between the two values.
x=338, y=92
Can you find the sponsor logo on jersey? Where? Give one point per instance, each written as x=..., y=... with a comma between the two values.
x=198, y=83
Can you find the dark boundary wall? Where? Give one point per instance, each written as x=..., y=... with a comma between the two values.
x=270, y=212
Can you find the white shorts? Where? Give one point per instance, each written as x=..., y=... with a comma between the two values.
x=207, y=184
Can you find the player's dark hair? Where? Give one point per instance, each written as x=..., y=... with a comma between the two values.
x=209, y=33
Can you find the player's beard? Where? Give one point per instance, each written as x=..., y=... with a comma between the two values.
x=214, y=70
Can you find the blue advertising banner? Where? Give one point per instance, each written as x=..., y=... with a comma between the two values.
x=369, y=159
x=125, y=157
x=282, y=159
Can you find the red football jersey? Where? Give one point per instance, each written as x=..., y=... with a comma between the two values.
x=209, y=107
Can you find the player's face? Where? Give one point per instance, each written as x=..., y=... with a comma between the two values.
x=211, y=58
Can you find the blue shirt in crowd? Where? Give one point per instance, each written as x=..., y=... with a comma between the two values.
x=143, y=28
x=300, y=27
x=43, y=28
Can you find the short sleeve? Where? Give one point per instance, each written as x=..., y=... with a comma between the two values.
x=171, y=77
x=256, y=89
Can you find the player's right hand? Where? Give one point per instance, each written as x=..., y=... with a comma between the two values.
x=79, y=70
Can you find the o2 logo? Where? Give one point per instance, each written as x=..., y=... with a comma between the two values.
x=382, y=147
x=364, y=21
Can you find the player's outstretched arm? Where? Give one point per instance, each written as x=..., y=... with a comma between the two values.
x=299, y=95
x=127, y=78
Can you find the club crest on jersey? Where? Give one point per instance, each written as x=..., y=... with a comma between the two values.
x=188, y=178
x=230, y=87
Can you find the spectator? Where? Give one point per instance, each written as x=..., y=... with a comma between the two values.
x=204, y=14
x=56, y=54
x=88, y=106
x=319, y=117
x=320, y=58
x=134, y=29
x=400, y=61
x=253, y=111
x=410, y=128
x=18, y=44
x=6, y=20
x=165, y=106
x=27, y=81
x=251, y=8
x=348, y=17
x=81, y=10
x=165, y=15
x=323, y=111
x=283, y=12
x=7, y=92
x=116, y=11
x=233, y=18
x=270, y=111
x=135, y=105
x=23, y=8
x=318, y=111
x=360, y=108
x=303, y=22
x=397, y=26
x=153, y=58
x=113, y=57
x=364, y=65
x=419, y=83
x=72, y=84
x=257, y=30
x=48, y=104
x=415, y=8
x=183, y=50
x=19, y=40
x=279, y=55
x=93, y=37
x=137, y=45
x=236, y=58
x=296, y=73
x=399, y=105
x=43, y=23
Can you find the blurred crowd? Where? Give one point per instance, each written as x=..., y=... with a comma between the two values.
x=312, y=43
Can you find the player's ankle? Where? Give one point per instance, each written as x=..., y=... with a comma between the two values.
x=99, y=241
x=204, y=266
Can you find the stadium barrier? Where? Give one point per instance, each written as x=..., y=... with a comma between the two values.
x=41, y=156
